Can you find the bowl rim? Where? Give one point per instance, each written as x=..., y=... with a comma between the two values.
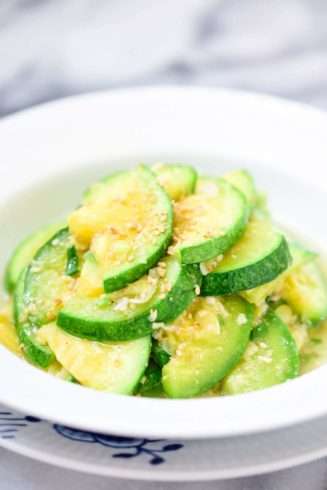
x=277, y=123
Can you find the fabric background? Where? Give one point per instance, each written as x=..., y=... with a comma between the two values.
x=53, y=48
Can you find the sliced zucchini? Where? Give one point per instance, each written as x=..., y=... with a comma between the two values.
x=150, y=385
x=60, y=372
x=151, y=380
x=111, y=367
x=299, y=331
x=314, y=352
x=272, y=357
x=24, y=253
x=8, y=334
x=72, y=266
x=178, y=180
x=126, y=224
x=92, y=193
x=35, y=352
x=259, y=294
x=209, y=222
x=206, y=342
x=305, y=290
x=159, y=355
x=46, y=285
x=258, y=257
x=90, y=281
x=243, y=181
x=130, y=313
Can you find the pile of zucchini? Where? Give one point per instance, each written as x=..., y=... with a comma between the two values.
x=164, y=283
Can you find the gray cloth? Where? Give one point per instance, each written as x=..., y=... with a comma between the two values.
x=53, y=48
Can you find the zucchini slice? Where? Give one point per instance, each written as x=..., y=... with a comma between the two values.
x=72, y=266
x=35, y=352
x=159, y=355
x=314, y=352
x=206, y=342
x=24, y=253
x=57, y=370
x=46, y=284
x=8, y=333
x=127, y=224
x=209, y=222
x=178, y=180
x=111, y=367
x=127, y=314
x=258, y=257
x=259, y=294
x=298, y=329
x=243, y=181
x=271, y=358
x=90, y=281
x=150, y=385
x=151, y=381
x=305, y=290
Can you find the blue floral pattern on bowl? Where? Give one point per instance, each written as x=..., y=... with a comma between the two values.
x=125, y=447
x=128, y=447
x=11, y=424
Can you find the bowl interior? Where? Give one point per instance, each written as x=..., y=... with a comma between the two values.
x=63, y=149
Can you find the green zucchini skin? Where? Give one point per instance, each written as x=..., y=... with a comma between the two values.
x=215, y=246
x=36, y=353
x=77, y=320
x=159, y=355
x=150, y=384
x=24, y=253
x=178, y=180
x=72, y=266
x=274, y=344
x=265, y=270
x=125, y=274
x=151, y=380
x=102, y=331
x=183, y=177
x=110, y=367
x=208, y=362
x=91, y=192
x=133, y=272
x=305, y=291
x=212, y=247
x=44, y=279
x=243, y=181
x=300, y=256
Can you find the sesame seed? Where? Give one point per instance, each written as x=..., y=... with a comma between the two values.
x=251, y=350
x=211, y=300
x=203, y=268
x=171, y=250
x=241, y=319
x=202, y=313
x=161, y=272
x=157, y=325
x=265, y=359
x=153, y=315
x=122, y=304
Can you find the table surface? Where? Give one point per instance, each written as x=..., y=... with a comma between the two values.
x=55, y=48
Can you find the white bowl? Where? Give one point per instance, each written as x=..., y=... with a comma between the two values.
x=50, y=153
